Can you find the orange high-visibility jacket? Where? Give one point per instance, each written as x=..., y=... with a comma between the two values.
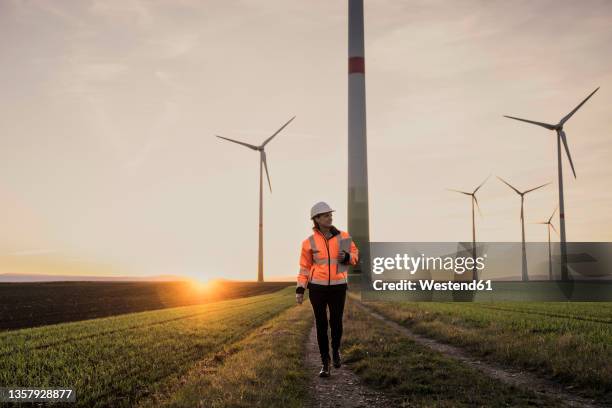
x=319, y=262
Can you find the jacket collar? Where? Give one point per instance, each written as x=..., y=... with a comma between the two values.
x=334, y=231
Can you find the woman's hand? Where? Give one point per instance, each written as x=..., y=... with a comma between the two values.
x=299, y=298
x=341, y=255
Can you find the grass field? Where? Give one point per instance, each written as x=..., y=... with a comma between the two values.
x=389, y=361
x=249, y=352
x=37, y=304
x=115, y=361
x=569, y=342
x=265, y=369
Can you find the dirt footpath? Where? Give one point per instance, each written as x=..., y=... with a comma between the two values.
x=342, y=388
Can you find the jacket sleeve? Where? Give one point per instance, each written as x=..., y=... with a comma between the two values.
x=354, y=254
x=305, y=266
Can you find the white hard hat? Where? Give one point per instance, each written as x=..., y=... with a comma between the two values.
x=320, y=208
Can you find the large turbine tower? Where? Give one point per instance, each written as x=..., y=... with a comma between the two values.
x=560, y=138
x=358, y=212
x=262, y=164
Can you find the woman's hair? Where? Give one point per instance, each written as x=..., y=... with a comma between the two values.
x=316, y=225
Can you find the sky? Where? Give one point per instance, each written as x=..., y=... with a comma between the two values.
x=108, y=110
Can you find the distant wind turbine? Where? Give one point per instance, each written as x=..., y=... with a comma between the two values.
x=549, y=225
x=561, y=137
x=262, y=164
x=525, y=275
x=474, y=200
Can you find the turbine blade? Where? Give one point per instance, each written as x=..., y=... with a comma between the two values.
x=236, y=141
x=477, y=206
x=265, y=163
x=546, y=125
x=553, y=227
x=481, y=184
x=535, y=188
x=569, y=115
x=569, y=156
x=459, y=191
x=509, y=185
x=276, y=133
x=553, y=214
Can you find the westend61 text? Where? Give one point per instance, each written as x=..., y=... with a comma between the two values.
x=405, y=284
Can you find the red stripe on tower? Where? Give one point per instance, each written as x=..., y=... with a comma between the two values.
x=356, y=65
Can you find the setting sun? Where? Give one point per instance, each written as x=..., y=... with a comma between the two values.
x=206, y=285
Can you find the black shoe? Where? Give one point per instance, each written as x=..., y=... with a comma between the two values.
x=337, y=362
x=325, y=368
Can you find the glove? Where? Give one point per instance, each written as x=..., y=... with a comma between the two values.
x=299, y=297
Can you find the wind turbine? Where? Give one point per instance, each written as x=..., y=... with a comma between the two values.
x=474, y=201
x=549, y=225
x=357, y=195
x=262, y=164
x=525, y=275
x=561, y=137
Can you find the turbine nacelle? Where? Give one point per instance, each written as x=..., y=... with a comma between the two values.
x=559, y=127
x=521, y=193
x=473, y=193
x=260, y=148
x=549, y=223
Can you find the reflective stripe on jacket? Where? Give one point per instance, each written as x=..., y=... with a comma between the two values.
x=319, y=262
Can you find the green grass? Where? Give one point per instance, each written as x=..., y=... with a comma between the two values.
x=263, y=370
x=568, y=342
x=115, y=361
x=418, y=376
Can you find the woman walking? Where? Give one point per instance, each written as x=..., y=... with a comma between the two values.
x=324, y=261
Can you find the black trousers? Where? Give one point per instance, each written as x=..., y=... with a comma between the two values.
x=320, y=300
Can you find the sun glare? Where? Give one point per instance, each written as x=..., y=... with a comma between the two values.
x=205, y=285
